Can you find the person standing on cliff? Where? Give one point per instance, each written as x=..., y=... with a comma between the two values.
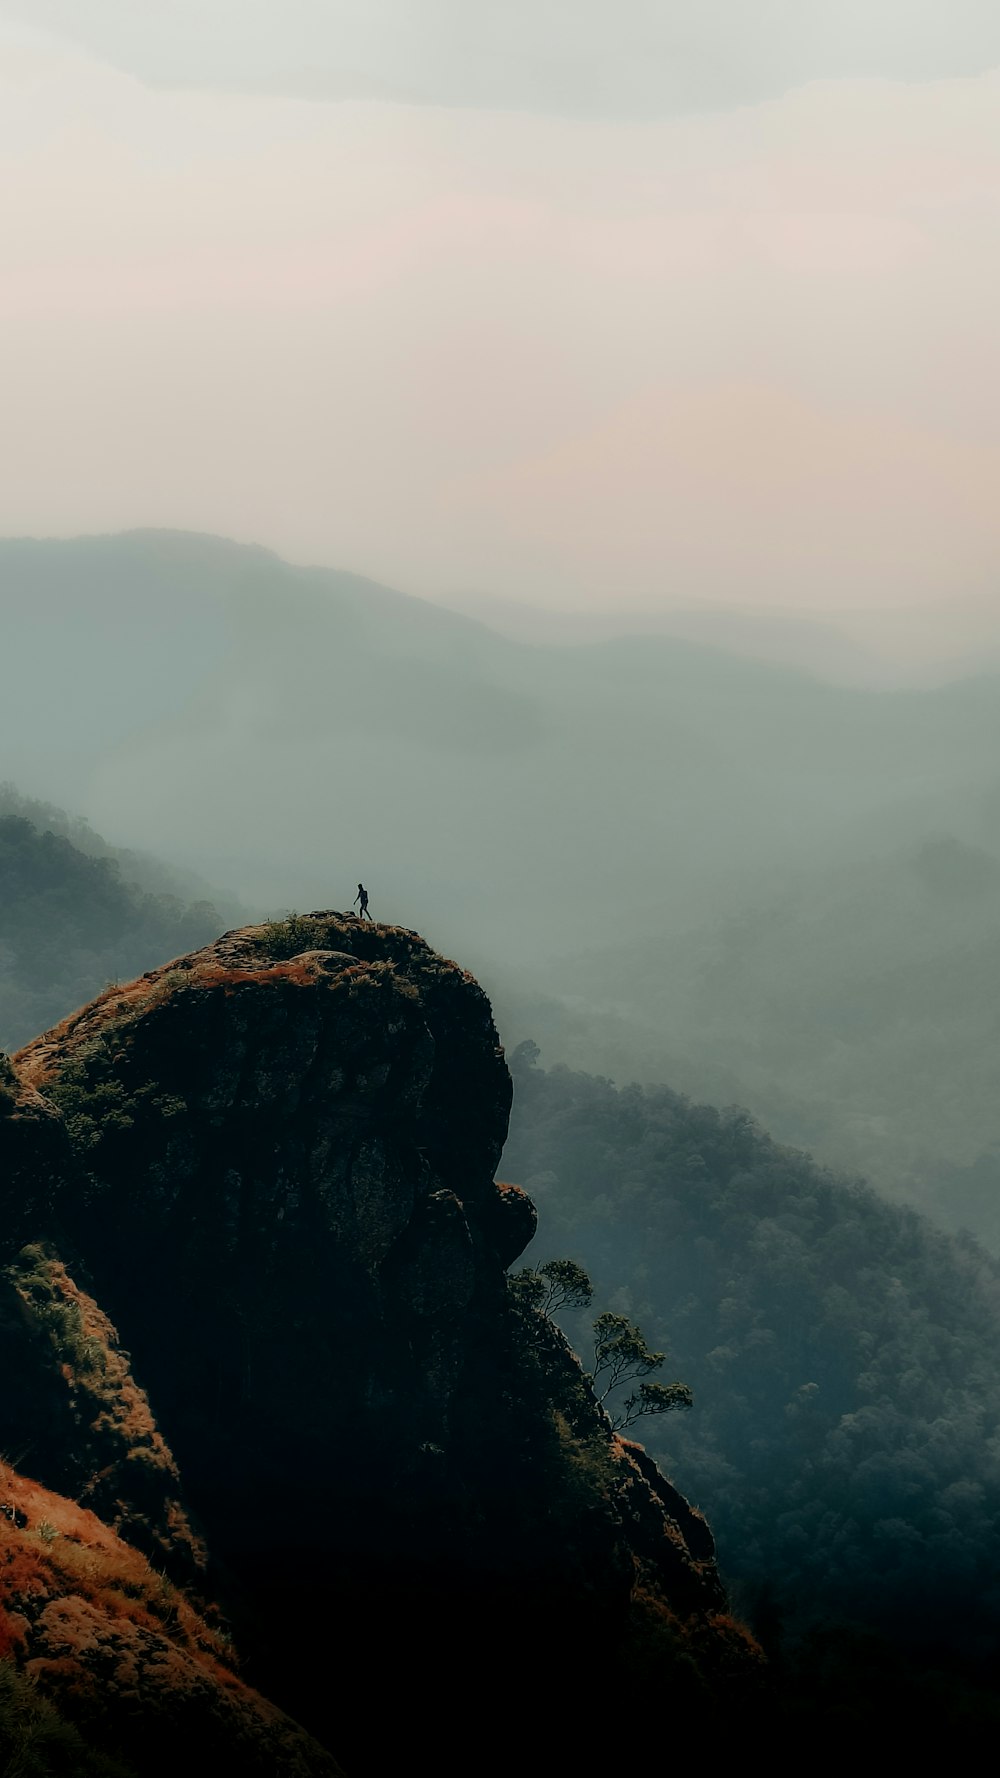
x=362, y=897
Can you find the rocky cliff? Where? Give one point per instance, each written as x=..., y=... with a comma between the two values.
x=272, y=1166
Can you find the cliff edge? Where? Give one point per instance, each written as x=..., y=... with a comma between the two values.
x=271, y=1164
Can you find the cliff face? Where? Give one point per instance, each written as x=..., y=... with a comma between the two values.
x=272, y=1163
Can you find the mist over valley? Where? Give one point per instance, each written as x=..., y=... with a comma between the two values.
x=666, y=861
x=499, y=886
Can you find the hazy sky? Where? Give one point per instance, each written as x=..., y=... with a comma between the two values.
x=569, y=302
x=629, y=58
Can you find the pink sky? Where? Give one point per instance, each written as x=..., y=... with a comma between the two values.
x=741, y=357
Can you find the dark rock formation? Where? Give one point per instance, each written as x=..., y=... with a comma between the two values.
x=128, y=1667
x=71, y=1405
x=275, y=1170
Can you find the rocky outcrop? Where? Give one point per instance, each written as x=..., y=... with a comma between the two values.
x=272, y=1165
x=128, y=1668
x=71, y=1405
x=284, y=1190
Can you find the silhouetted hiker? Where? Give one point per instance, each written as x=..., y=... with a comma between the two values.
x=362, y=897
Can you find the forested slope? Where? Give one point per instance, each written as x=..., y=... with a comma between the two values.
x=844, y=1353
x=854, y=1009
x=72, y=921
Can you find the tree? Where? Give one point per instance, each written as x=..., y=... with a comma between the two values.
x=525, y=1055
x=558, y=1284
x=621, y=1356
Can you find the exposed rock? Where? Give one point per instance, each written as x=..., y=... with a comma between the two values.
x=511, y=1221
x=278, y=1175
x=285, y=1173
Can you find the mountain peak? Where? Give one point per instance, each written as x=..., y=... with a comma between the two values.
x=278, y=1176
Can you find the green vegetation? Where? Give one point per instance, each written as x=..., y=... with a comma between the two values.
x=94, y=1100
x=55, y=1314
x=845, y=1354
x=288, y=936
x=558, y=1284
x=72, y=922
x=36, y=1742
x=621, y=1355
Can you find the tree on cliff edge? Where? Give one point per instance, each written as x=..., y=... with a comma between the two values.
x=621, y=1355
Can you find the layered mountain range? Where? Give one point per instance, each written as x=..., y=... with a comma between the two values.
x=339, y=1461
x=233, y=681
x=663, y=860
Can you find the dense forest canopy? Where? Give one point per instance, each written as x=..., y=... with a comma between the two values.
x=844, y=1354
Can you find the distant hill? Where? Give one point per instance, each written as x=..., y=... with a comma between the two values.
x=815, y=645
x=855, y=1010
x=504, y=797
x=141, y=869
x=694, y=865
x=71, y=919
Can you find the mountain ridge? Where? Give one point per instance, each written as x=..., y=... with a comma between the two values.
x=442, y=742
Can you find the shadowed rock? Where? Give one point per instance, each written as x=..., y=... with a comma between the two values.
x=277, y=1172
